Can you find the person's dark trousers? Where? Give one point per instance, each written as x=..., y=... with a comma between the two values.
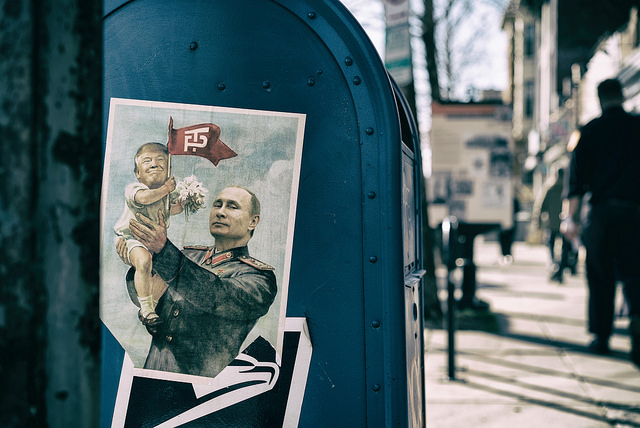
x=564, y=254
x=611, y=238
x=553, y=235
x=506, y=240
x=467, y=234
x=572, y=258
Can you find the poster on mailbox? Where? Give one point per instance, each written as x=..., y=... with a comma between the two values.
x=198, y=214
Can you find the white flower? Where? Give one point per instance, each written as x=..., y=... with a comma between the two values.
x=191, y=195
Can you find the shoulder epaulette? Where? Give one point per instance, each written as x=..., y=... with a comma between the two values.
x=255, y=263
x=196, y=247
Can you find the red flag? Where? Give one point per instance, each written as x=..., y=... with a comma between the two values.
x=198, y=140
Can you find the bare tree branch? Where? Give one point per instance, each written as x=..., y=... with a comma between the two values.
x=460, y=31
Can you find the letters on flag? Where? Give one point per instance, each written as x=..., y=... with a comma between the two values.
x=198, y=140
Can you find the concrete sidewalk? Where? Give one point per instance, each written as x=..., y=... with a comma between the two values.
x=525, y=362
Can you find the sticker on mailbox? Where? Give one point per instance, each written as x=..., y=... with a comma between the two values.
x=198, y=211
x=254, y=390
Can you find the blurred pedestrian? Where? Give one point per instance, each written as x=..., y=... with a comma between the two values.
x=606, y=163
x=550, y=217
x=507, y=236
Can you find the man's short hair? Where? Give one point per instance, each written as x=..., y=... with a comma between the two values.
x=148, y=146
x=610, y=89
x=255, y=202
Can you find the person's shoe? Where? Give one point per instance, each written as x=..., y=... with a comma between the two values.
x=152, y=322
x=599, y=346
x=634, y=332
x=557, y=277
x=506, y=260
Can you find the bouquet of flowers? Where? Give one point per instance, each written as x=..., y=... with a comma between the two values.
x=190, y=195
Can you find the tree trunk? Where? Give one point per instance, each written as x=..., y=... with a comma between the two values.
x=428, y=36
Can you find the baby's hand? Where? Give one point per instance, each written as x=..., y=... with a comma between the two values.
x=170, y=184
x=121, y=249
x=176, y=208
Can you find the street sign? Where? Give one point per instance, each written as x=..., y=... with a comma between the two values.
x=398, y=41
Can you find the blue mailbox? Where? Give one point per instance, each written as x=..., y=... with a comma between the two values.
x=356, y=261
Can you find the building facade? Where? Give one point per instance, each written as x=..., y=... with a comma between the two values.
x=556, y=60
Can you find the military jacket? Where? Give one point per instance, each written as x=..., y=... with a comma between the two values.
x=211, y=303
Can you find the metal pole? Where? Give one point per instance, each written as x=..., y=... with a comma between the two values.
x=451, y=328
x=449, y=232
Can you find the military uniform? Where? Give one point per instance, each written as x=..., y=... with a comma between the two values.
x=211, y=303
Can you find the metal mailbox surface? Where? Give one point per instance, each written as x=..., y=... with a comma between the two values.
x=311, y=57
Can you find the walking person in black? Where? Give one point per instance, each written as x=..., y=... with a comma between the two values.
x=606, y=163
x=552, y=208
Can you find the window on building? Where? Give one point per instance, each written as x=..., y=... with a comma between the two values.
x=529, y=40
x=529, y=98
